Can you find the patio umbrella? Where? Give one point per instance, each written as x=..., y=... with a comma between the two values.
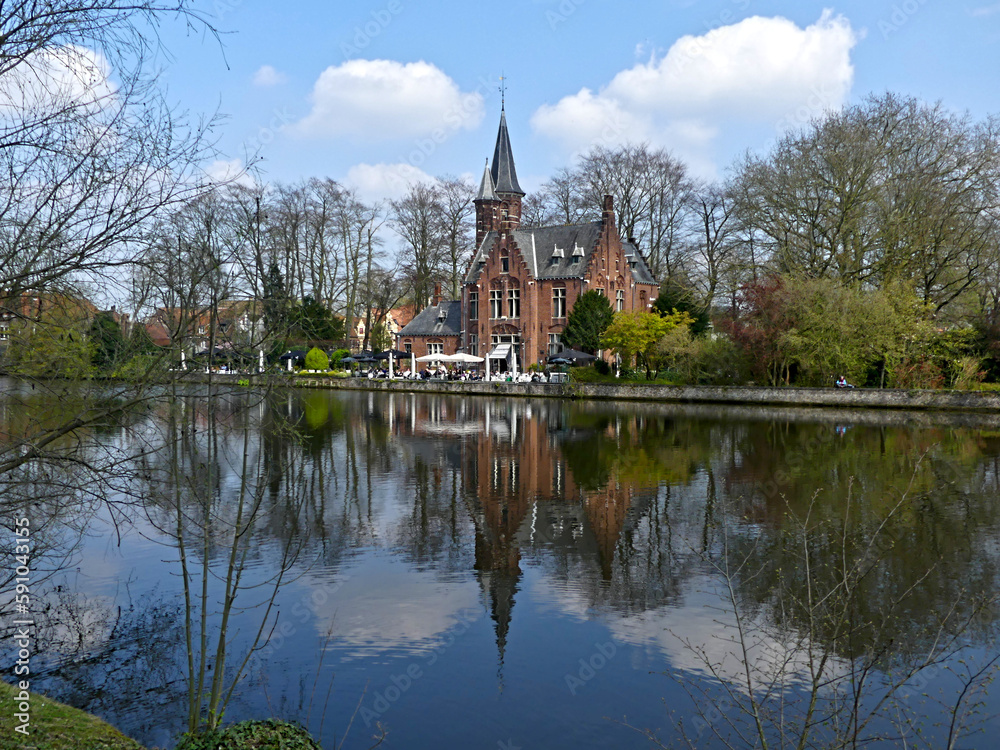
x=574, y=356
x=349, y=360
x=560, y=361
x=396, y=354
x=463, y=357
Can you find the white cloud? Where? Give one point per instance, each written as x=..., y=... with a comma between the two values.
x=409, y=609
x=267, y=76
x=760, y=70
x=377, y=99
x=986, y=10
x=231, y=170
x=55, y=77
x=375, y=182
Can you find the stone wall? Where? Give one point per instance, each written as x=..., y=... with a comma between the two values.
x=822, y=397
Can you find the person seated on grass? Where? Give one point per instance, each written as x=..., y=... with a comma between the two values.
x=842, y=383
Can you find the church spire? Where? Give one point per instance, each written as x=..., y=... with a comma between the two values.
x=503, y=173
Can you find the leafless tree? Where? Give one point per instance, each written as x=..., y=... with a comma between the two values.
x=457, y=211
x=416, y=218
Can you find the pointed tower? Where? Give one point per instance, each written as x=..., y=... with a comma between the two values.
x=498, y=208
x=487, y=206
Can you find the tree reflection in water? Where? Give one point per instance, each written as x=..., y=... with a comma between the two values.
x=616, y=513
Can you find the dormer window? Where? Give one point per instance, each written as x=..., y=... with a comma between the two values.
x=505, y=265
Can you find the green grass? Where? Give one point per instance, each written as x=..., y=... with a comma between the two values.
x=55, y=726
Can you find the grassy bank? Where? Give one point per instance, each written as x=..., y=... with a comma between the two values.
x=55, y=726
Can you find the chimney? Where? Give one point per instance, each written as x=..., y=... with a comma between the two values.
x=609, y=205
x=437, y=294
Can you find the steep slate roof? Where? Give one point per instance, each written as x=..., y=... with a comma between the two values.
x=503, y=174
x=541, y=250
x=486, y=191
x=429, y=323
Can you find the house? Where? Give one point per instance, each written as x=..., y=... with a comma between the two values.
x=437, y=329
x=395, y=320
x=522, y=282
x=235, y=325
x=32, y=307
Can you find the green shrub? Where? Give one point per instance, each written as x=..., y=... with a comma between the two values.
x=590, y=374
x=316, y=359
x=337, y=356
x=602, y=367
x=259, y=735
x=140, y=366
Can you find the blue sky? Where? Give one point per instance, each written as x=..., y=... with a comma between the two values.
x=375, y=93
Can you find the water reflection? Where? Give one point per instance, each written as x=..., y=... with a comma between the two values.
x=492, y=542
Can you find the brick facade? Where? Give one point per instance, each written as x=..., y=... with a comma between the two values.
x=522, y=283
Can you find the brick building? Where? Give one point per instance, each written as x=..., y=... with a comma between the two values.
x=522, y=282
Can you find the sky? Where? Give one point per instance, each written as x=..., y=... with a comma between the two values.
x=376, y=94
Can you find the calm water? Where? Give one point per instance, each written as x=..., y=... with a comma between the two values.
x=493, y=573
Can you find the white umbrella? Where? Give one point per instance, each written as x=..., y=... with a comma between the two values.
x=437, y=358
x=463, y=357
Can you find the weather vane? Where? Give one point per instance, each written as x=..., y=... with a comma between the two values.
x=503, y=89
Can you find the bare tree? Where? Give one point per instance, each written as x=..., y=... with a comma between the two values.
x=651, y=191
x=86, y=168
x=712, y=246
x=457, y=211
x=888, y=190
x=416, y=217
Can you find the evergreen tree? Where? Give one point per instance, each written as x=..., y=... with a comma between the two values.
x=675, y=297
x=106, y=342
x=275, y=300
x=589, y=318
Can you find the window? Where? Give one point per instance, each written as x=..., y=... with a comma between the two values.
x=555, y=346
x=559, y=302
x=621, y=299
x=496, y=303
x=201, y=330
x=437, y=348
x=473, y=305
x=514, y=303
x=474, y=345
x=505, y=265
x=408, y=347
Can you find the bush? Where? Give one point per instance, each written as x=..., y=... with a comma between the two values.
x=316, y=359
x=260, y=735
x=591, y=374
x=917, y=374
x=140, y=367
x=602, y=367
x=337, y=356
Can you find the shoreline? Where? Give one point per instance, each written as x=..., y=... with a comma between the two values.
x=860, y=398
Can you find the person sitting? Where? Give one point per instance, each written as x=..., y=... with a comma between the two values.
x=842, y=383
